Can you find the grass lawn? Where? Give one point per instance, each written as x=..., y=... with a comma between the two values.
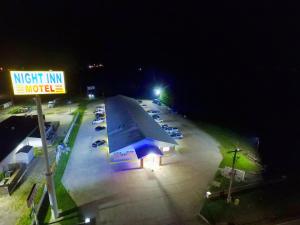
x=14, y=109
x=219, y=210
x=260, y=205
x=228, y=142
x=21, y=196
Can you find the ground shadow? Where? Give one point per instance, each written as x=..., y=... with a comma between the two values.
x=170, y=203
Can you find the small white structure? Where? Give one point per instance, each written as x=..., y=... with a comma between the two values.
x=25, y=154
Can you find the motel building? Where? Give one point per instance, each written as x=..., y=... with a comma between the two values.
x=133, y=135
x=19, y=135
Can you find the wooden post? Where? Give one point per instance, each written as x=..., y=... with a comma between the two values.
x=142, y=163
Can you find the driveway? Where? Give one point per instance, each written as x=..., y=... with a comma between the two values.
x=173, y=194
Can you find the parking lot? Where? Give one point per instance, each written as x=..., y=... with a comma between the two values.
x=173, y=194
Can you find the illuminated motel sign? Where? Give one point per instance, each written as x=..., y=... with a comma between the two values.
x=38, y=82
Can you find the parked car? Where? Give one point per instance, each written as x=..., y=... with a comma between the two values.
x=99, y=128
x=158, y=120
x=51, y=104
x=98, y=143
x=153, y=112
x=100, y=114
x=168, y=130
x=164, y=126
x=94, y=145
x=171, y=130
x=155, y=116
x=99, y=111
x=156, y=101
x=177, y=135
x=174, y=129
x=97, y=121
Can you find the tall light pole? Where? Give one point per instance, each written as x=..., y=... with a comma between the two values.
x=232, y=173
x=49, y=174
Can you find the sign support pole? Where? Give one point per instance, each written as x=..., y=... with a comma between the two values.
x=49, y=174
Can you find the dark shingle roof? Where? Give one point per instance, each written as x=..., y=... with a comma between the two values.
x=25, y=149
x=13, y=130
x=128, y=123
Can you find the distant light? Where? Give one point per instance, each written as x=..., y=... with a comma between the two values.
x=91, y=96
x=208, y=193
x=157, y=91
x=166, y=149
x=1, y=68
x=140, y=69
x=87, y=220
x=93, y=66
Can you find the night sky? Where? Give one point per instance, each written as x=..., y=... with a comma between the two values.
x=228, y=62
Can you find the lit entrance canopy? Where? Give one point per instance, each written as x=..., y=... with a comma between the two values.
x=145, y=150
x=38, y=82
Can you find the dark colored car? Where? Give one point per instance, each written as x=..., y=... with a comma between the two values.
x=156, y=101
x=155, y=116
x=99, y=128
x=99, y=115
x=98, y=143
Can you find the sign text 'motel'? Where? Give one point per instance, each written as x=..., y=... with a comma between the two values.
x=38, y=82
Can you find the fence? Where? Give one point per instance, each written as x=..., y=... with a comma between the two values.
x=66, y=139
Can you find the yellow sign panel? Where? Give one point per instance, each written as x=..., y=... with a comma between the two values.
x=38, y=82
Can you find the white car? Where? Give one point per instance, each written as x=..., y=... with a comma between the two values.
x=158, y=120
x=171, y=130
x=98, y=121
x=99, y=110
x=174, y=129
x=153, y=112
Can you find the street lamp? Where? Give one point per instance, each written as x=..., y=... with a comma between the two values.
x=157, y=92
x=232, y=173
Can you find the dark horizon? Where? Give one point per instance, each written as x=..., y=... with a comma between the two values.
x=232, y=63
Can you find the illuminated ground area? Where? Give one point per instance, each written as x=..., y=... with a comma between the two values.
x=119, y=194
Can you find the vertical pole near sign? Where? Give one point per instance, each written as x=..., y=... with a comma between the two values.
x=49, y=174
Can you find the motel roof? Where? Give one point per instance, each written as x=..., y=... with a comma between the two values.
x=128, y=123
x=14, y=130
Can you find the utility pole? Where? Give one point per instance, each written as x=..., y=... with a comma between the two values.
x=49, y=174
x=232, y=174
